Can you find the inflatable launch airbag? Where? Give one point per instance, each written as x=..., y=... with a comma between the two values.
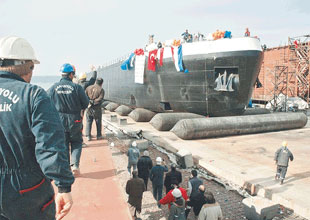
x=234, y=125
x=166, y=121
x=111, y=106
x=142, y=115
x=123, y=110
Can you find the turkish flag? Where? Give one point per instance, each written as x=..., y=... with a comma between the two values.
x=152, y=60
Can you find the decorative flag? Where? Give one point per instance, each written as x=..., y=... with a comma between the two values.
x=152, y=60
x=139, y=51
x=296, y=44
x=178, y=59
x=161, y=56
x=128, y=64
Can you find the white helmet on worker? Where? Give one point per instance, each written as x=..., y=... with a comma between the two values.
x=16, y=48
x=176, y=193
x=158, y=160
x=82, y=75
x=284, y=144
x=134, y=144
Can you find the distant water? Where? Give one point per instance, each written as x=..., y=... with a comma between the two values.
x=45, y=81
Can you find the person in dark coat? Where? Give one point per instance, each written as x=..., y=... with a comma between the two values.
x=172, y=177
x=135, y=188
x=82, y=79
x=32, y=144
x=282, y=157
x=144, y=165
x=70, y=99
x=157, y=178
x=95, y=94
x=193, y=185
x=198, y=199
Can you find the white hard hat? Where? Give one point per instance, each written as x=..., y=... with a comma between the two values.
x=16, y=48
x=159, y=160
x=176, y=193
x=82, y=75
x=134, y=143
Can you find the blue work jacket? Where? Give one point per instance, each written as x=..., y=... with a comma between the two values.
x=69, y=99
x=32, y=141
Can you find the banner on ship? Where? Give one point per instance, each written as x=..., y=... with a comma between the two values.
x=139, y=69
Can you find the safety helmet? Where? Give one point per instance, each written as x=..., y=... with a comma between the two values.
x=67, y=68
x=16, y=48
x=82, y=75
x=284, y=144
x=176, y=193
x=134, y=144
x=158, y=160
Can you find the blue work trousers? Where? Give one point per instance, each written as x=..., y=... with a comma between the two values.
x=157, y=191
x=26, y=196
x=74, y=146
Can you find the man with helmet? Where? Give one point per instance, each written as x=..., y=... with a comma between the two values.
x=177, y=210
x=70, y=99
x=282, y=157
x=82, y=78
x=157, y=178
x=133, y=154
x=32, y=145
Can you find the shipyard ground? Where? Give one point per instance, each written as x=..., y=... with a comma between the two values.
x=244, y=161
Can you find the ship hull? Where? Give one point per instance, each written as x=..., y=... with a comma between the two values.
x=196, y=91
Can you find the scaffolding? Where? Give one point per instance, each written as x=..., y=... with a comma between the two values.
x=290, y=74
x=299, y=64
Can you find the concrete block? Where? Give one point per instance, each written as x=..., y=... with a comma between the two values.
x=108, y=133
x=259, y=208
x=122, y=121
x=142, y=145
x=186, y=158
x=113, y=118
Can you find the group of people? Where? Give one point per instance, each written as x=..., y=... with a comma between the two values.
x=47, y=132
x=180, y=201
x=44, y=143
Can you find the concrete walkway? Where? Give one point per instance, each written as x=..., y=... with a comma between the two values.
x=96, y=193
x=244, y=159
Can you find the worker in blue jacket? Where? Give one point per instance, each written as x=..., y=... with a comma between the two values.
x=70, y=100
x=32, y=143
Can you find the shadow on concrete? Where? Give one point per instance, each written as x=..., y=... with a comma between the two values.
x=95, y=143
x=99, y=174
x=297, y=176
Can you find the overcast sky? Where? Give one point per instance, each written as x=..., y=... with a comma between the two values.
x=85, y=32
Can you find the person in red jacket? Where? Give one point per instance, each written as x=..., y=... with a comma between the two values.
x=169, y=198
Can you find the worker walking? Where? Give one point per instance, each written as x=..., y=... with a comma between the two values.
x=177, y=209
x=135, y=188
x=95, y=94
x=144, y=165
x=157, y=178
x=32, y=145
x=282, y=157
x=172, y=177
x=133, y=156
x=193, y=188
x=70, y=99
